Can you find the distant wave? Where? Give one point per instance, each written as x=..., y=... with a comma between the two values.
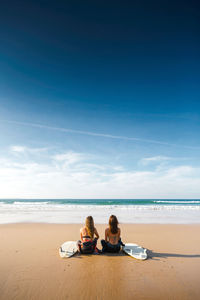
x=28, y=206
x=102, y=202
x=75, y=211
x=29, y=203
x=178, y=202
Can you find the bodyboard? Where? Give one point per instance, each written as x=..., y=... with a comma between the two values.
x=135, y=251
x=68, y=249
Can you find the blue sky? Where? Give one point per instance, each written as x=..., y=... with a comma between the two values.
x=100, y=99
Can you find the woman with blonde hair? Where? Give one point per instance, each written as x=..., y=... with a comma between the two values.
x=112, y=242
x=88, y=242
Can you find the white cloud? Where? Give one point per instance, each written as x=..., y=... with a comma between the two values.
x=91, y=133
x=75, y=175
x=23, y=149
x=19, y=149
x=69, y=157
x=155, y=159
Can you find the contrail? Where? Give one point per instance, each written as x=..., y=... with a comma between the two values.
x=119, y=137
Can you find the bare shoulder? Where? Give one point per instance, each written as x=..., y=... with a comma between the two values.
x=82, y=228
x=107, y=230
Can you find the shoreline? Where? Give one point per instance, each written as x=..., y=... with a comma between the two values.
x=102, y=224
x=74, y=211
x=32, y=269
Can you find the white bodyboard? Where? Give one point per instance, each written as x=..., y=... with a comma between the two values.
x=68, y=249
x=135, y=251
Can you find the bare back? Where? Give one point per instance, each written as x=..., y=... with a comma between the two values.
x=112, y=238
x=84, y=233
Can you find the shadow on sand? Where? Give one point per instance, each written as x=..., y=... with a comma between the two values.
x=155, y=255
x=151, y=255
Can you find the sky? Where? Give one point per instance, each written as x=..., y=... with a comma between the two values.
x=100, y=99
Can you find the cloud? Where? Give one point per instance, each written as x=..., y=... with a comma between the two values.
x=69, y=157
x=19, y=149
x=23, y=149
x=76, y=175
x=90, y=133
x=155, y=159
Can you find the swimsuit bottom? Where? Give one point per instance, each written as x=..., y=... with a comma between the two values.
x=88, y=246
x=107, y=247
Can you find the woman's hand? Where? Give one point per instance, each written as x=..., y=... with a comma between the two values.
x=96, y=233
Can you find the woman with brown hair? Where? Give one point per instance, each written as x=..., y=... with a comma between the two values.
x=88, y=242
x=112, y=242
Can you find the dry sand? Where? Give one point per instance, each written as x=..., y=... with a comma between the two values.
x=30, y=267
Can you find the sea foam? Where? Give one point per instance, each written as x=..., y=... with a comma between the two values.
x=75, y=211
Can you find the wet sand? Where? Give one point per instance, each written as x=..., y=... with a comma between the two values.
x=30, y=266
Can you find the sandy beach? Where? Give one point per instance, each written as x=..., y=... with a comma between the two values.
x=30, y=266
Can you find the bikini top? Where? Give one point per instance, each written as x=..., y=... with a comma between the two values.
x=86, y=237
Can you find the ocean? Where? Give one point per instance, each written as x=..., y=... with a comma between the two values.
x=160, y=211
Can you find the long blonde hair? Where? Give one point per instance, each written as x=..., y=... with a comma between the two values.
x=89, y=224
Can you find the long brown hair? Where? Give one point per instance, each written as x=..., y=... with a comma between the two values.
x=113, y=224
x=89, y=224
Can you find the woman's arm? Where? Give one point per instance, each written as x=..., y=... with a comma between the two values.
x=96, y=233
x=106, y=235
x=81, y=233
x=119, y=233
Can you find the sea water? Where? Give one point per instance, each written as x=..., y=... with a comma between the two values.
x=181, y=211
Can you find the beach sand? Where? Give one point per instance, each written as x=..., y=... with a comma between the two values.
x=30, y=266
